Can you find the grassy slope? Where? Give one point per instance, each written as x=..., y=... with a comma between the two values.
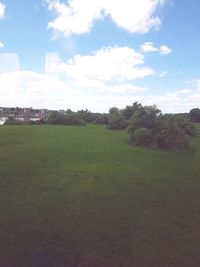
x=83, y=196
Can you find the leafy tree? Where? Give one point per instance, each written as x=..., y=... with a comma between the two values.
x=172, y=136
x=90, y=117
x=145, y=117
x=129, y=111
x=73, y=119
x=185, y=124
x=70, y=118
x=148, y=127
x=56, y=118
x=116, y=119
x=195, y=115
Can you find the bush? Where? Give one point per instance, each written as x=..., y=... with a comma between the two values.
x=186, y=125
x=150, y=128
x=142, y=136
x=116, y=119
x=73, y=119
x=12, y=121
x=195, y=115
x=117, y=122
x=90, y=117
x=58, y=118
x=174, y=140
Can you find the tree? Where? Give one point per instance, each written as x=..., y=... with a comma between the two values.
x=116, y=119
x=195, y=115
x=73, y=119
x=185, y=124
x=172, y=136
x=56, y=118
x=142, y=136
x=90, y=117
x=148, y=127
x=70, y=118
x=129, y=111
x=145, y=117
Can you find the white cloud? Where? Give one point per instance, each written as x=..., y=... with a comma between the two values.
x=78, y=16
x=110, y=70
x=29, y=89
x=25, y=88
x=148, y=47
x=97, y=81
x=1, y=45
x=107, y=64
x=182, y=100
x=164, y=50
x=2, y=10
x=106, y=72
x=124, y=88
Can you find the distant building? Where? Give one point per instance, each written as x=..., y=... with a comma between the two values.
x=44, y=113
x=27, y=114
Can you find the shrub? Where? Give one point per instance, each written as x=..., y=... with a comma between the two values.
x=195, y=115
x=117, y=122
x=142, y=136
x=58, y=118
x=174, y=140
x=73, y=119
x=12, y=121
x=116, y=119
x=150, y=128
x=187, y=126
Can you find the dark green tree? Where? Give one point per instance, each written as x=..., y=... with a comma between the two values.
x=148, y=127
x=129, y=111
x=195, y=115
x=116, y=119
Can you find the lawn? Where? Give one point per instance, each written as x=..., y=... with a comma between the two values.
x=85, y=197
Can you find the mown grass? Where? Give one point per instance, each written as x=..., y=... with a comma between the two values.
x=83, y=196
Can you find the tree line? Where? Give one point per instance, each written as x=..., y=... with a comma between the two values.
x=146, y=125
x=68, y=117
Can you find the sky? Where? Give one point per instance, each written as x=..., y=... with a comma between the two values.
x=97, y=54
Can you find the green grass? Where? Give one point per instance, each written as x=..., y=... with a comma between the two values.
x=83, y=196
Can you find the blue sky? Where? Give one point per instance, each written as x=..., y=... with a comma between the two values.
x=97, y=54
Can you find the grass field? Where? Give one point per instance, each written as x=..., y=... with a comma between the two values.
x=84, y=197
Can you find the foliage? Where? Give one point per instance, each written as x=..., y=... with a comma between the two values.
x=73, y=119
x=90, y=117
x=142, y=136
x=56, y=118
x=11, y=121
x=172, y=134
x=148, y=127
x=145, y=117
x=116, y=119
x=129, y=111
x=185, y=124
x=195, y=115
x=70, y=118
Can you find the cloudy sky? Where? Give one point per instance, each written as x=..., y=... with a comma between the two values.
x=95, y=54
